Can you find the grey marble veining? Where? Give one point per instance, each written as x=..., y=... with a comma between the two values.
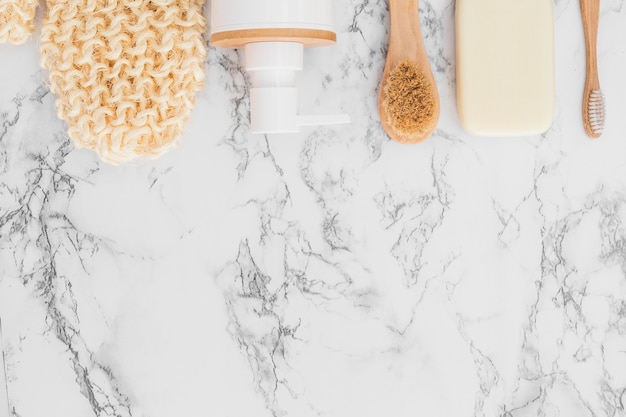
x=327, y=273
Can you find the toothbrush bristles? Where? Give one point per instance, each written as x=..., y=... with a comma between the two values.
x=596, y=112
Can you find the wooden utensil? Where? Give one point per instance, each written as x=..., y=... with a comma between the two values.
x=406, y=45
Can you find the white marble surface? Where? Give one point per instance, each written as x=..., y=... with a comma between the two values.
x=330, y=273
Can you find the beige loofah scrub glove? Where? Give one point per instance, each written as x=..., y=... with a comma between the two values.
x=125, y=72
x=17, y=20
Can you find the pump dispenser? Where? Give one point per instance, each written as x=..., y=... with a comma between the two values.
x=274, y=34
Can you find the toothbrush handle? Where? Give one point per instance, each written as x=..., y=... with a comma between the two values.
x=590, y=10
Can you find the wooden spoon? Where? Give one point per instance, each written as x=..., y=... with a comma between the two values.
x=406, y=45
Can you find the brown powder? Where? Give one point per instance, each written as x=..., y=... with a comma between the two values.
x=408, y=100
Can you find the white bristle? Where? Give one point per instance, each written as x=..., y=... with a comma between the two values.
x=596, y=111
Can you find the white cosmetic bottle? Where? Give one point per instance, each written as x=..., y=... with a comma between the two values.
x=274, y=34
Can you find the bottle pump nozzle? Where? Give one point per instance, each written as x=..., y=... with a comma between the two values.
x=274, y=96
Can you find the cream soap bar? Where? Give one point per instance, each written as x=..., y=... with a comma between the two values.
x=505, y=66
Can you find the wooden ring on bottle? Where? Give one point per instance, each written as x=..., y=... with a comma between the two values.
x=307, y=37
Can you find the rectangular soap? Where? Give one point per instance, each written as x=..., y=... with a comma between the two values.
x=505, y=66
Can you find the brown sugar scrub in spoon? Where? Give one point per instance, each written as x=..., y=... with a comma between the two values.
x=408, y=101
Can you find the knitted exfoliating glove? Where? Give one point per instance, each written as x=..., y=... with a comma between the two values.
x=17, y=20
x=125, y=72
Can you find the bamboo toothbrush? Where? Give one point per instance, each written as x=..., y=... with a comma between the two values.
x=594, y=107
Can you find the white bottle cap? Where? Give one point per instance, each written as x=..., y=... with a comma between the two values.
x=274, y=96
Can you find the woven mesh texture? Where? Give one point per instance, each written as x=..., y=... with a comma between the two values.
x=125, y=72
x=17, y=20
